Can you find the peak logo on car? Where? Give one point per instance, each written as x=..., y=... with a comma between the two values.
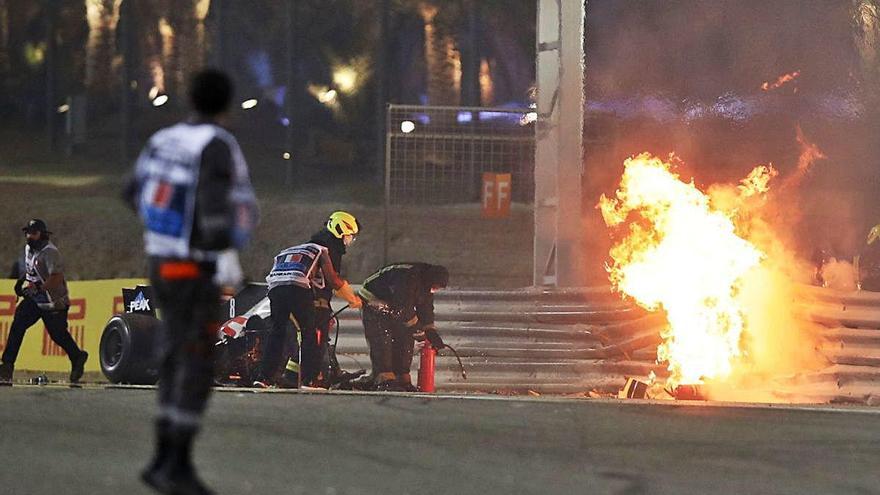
x=139, y=300
x=140, y=303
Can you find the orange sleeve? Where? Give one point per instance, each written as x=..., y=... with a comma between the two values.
x=330, y=275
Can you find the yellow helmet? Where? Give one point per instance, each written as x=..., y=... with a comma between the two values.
x=342, y=223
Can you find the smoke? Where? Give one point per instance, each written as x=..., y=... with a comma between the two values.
x=687, y=77
x=839, y=275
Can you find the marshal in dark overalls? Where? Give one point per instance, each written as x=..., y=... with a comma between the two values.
x=192, y=190
x=398, y=303
x=45, y=297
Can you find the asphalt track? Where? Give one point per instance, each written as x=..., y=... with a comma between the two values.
x=56, y=440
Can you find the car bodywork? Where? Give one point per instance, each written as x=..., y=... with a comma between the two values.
x=130, y=348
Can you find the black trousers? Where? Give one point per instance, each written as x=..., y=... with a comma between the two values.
x=391, y=343
x=286, y=301
x=26, y=314
x=190, y=310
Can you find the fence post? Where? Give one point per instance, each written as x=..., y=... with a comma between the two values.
x=387, y=203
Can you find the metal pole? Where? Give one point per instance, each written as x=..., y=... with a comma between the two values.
x=386, y=228
x=288, y=97
x=569, y=247
x=125, y=27
x=470, y=60
x=50, y=7
x=558, y=252
x=546, y=131
x=381, y=86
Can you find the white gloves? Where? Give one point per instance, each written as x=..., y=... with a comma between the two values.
x=229, y=272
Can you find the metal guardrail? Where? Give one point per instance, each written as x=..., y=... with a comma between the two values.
x=543, y=341
x=577, y=341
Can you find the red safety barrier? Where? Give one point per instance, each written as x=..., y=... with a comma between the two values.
x=426, y=368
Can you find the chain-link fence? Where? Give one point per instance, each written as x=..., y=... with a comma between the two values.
x=437, y=155
x=434, y=164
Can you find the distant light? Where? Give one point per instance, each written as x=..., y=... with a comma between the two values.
x=160, y=100
x=285, y=121
x=285, y=155
x=407, y=126
x=345, y=78
x=63, y=108
x=133, y=84
x=248, y=104
x=464, y=117
x=154, y=92
x=324, y=94
x=328, y=96
x=35, y=53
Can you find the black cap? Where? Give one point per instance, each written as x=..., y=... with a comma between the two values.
x=438, y=276
x=36, y=225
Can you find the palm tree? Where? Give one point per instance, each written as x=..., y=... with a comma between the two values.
x=442, y=59
x=866, y=30
x=186, y=53
x=473, y=46
x=102, y=17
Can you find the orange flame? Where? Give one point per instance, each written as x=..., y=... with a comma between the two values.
x=682, y=254
x=810, y=152
x=783, y=79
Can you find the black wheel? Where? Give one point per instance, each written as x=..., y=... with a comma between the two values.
x=129, y=349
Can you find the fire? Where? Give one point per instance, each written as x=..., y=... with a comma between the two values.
x=783, y=79
x=682, y=253
x=810, y=152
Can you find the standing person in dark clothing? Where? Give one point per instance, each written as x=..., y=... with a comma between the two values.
x=296, y=272
x=192, y=190
x=46, y=298
x=398, y=303
x=337, y=235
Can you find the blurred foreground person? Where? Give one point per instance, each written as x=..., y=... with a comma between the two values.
x=338, y=234
x=296, y=273
x=44, y=297
x=192, y=190
x=398, y=308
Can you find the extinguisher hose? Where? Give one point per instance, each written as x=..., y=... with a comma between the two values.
x=335, y=316
x=461, y=366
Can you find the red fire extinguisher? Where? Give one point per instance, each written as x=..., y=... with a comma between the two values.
x=426, y=368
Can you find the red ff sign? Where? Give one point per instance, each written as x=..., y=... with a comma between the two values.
x=496, y=195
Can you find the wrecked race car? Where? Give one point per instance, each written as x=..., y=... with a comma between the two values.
x=130, y=347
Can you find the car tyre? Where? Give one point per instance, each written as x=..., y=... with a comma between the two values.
x=129, y=349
